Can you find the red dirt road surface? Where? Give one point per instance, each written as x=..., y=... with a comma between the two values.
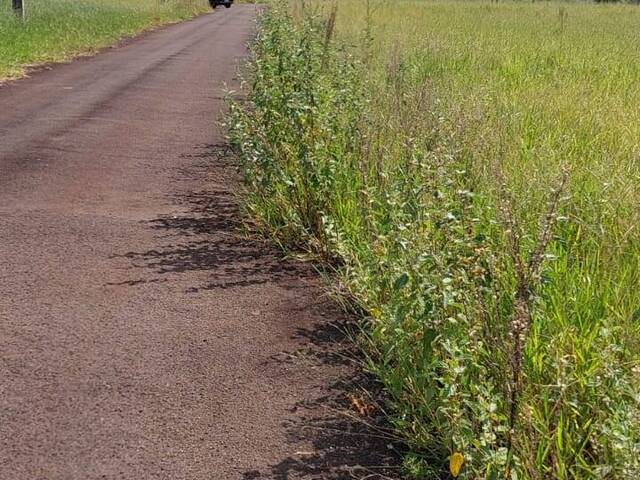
x=141, y=335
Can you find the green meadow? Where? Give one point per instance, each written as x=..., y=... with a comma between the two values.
x=471, y=171
x=57, y=30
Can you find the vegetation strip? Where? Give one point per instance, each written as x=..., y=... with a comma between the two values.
x=471, y=170
x=57, y=30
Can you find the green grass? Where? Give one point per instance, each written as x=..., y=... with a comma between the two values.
x=56, y=30
x=472, y=170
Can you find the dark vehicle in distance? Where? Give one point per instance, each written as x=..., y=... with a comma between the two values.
x=215, y=3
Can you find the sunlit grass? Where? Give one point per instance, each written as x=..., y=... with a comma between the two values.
x=422, y=152
x=57, y=30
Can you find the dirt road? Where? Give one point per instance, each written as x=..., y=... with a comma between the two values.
x=141, y=336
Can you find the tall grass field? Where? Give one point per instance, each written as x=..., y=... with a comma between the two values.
x=472, y=172
x=56, y=30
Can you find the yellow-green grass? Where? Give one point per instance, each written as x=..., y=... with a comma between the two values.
x=419, y=151
x=523, y=89
x=533, y=85
x=57, y=30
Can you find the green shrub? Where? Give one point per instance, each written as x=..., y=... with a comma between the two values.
x=501, y=334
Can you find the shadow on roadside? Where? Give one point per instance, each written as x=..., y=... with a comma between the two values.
x=208, y=237
x=344, y=445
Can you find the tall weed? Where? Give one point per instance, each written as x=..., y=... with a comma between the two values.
x=506, y=339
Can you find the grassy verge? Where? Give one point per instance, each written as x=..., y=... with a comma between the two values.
x=472, y=171
x=56, y=30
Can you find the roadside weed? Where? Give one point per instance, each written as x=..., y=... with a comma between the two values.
x=471, y=171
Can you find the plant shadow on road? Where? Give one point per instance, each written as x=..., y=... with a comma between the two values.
x=208, y=237
x=344, y=443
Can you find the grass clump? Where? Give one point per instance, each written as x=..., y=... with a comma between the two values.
x=56, y=30
x=471, y=171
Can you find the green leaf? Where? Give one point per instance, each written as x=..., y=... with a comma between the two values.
x=401, y=281
x=429, y=336
x=492, y=473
